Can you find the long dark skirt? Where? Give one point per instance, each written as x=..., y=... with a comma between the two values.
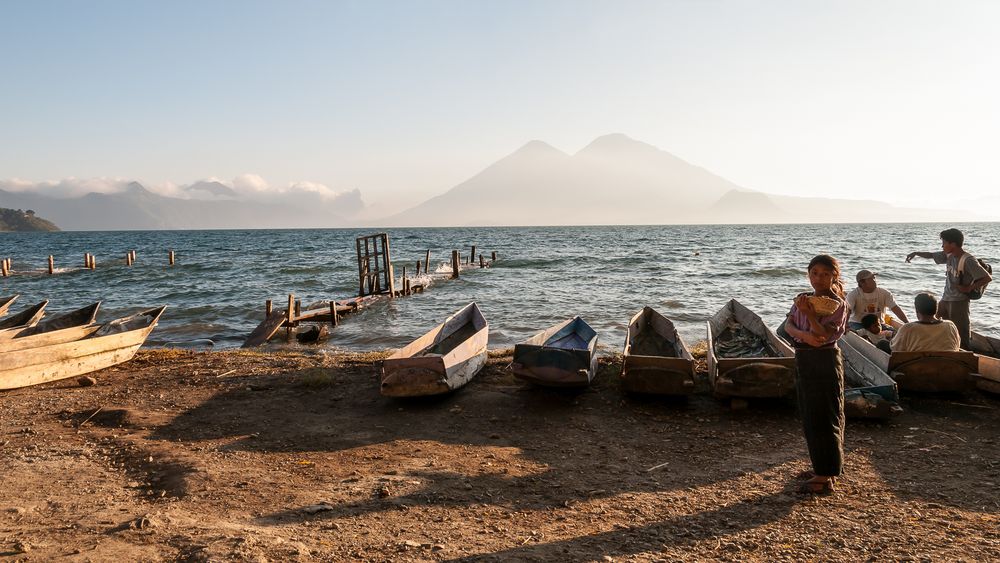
x=820, y=387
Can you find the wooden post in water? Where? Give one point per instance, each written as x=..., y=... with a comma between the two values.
x=289, y=315
x=482, y=263
x=403, y=281
x=454, y=264
x=298, y=308
x=472, y=255
x=427, y=262
x=493, y=257
x=333, y=313
x=268, y=308
x=93, y=262
x=170, y=257
x=418, y=267
x=128, y=258
x=86, y=260
x=3, y=268
x=52, y=264
x=132, y=253
x=406, y=287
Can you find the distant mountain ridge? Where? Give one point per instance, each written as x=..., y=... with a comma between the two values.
x=137, y=208
x=613, y=180
x=618, y=180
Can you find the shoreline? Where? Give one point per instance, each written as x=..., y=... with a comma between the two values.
x=288, y=455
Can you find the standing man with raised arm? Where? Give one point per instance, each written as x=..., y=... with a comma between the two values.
x=964, y=274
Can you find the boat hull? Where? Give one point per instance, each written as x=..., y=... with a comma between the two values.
x=869, y=392
x=563, y=355
x=655, y=359
x=422, y=368
x=749, y=377
x=43, y=364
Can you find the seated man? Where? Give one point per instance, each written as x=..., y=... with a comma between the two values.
x=868, y=298
x=872, y=332
x=928, y=332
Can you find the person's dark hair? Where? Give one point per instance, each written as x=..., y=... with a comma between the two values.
x=869, y=320
x=925, y=303
x=830, y=262
x=953, y=235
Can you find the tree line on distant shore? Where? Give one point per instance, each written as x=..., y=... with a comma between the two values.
x=20, y=220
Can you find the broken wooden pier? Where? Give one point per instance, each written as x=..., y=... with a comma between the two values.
x=376, y=280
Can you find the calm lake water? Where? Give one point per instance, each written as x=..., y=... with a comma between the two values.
x=218, y=287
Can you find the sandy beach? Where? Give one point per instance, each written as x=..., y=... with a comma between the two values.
x=295, y=456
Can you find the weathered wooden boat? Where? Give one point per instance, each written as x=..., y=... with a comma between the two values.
x=869, y=392
x=745, y=357
x=926, y=371
x=442, y=360
x=26, y=318
x=563, y=355
x=109, y=344
x=987, y=350
x=6, y=302
x=656, y=361
x=79, y=318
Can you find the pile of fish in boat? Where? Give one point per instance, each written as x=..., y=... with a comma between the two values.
x=34, y=351
x=745, y=357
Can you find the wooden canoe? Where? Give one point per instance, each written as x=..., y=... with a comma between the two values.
x=74, y=319
x=656, y=361
x=987, y=350
x=110, y=344
x=925, y=371
x=6, y=302
x=563, y=355
x=764, y=367
x=442, y=360
x=869, y=392
x=26, y=318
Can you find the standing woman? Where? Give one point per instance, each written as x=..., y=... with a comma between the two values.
x=820, y=373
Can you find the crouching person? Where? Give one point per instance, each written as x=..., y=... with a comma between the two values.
x=871, y=330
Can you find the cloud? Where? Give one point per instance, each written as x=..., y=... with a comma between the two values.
x=66, y=188
x=248, y=186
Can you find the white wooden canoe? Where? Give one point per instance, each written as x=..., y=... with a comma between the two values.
x=110, y=344
x=74, y=319
x=656, y=361
x=767, y=373
x=926, y=371
x=869, y=392
x=442, y=360
x=563, y=355
x=26, y=318
x=6, y=302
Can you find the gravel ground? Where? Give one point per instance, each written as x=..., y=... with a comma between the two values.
x=295, y=456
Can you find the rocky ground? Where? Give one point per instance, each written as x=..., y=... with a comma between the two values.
x=287, y=456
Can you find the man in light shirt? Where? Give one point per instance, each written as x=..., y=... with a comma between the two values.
x=870, y=299
x=928, y=333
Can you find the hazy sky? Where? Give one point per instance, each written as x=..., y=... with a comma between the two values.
x=888, y=100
